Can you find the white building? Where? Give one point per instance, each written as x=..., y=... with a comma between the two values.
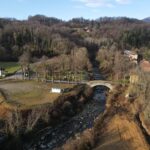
x=56, y=90
x=131, y=55
x=2, y=72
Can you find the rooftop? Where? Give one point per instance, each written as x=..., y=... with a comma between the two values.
x=145, y=65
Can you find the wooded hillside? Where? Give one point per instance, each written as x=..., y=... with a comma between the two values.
x=41, y=35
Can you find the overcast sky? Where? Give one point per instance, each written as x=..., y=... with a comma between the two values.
x=67, y=9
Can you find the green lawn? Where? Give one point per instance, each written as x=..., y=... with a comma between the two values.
x=10, y=67
x=29, y=93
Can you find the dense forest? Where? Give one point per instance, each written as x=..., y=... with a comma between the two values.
x=50, y=49
x=41, y=35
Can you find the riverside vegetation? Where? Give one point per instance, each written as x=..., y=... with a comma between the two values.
x=52, y=49
x=22, y=124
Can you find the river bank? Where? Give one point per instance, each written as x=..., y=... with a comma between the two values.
x=32, y=120
x=53, y=137
x=56, y=136
x=116, y=128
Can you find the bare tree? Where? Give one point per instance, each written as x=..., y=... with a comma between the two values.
x=24, y=61
x=14, y=122
x=122, y=65
x=80, y=59
x=35, y=115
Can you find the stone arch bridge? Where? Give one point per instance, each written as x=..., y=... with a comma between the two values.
x=107, y=84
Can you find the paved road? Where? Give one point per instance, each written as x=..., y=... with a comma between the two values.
x=17, y=75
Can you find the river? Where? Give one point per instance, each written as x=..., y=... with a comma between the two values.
x=55, y=137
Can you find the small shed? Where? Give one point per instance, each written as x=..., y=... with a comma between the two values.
x=2, y=72
x=56, y=90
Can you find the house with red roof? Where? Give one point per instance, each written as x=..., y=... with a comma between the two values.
x=145, y=66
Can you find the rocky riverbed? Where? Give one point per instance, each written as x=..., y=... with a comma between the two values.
x=55, y=137
x=51, y=138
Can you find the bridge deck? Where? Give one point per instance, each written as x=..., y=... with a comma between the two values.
x=91, y=83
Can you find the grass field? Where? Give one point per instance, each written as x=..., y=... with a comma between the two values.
x=29, y=93
x=10, y=67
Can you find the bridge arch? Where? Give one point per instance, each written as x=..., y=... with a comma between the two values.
x=101, y=83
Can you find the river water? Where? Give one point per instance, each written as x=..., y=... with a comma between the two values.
x=55, y=137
